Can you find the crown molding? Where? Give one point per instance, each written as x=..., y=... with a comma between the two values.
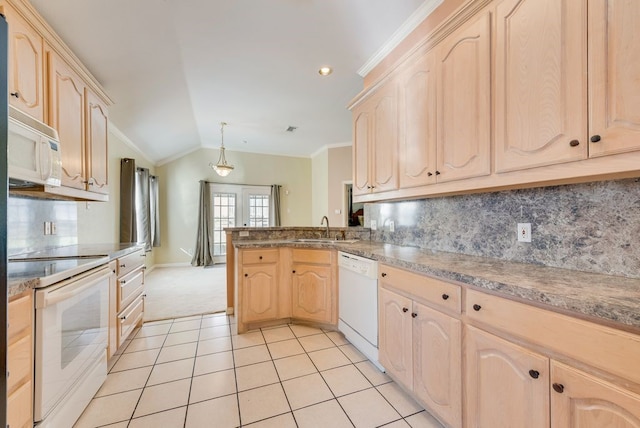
x=400, y=34
x=122, y=137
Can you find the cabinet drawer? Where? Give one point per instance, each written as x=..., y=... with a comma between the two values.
x=131, y=262
x=19, y=362
x=605, y=348
x=129, y=319
x=260, y=256
x=20, y=312
x=129, y=287
x=311, y=256
x=438, y=293
x=19, y=407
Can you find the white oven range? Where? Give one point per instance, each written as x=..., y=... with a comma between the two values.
x=71, y=330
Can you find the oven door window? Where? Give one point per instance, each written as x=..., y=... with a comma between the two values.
x=80, y=328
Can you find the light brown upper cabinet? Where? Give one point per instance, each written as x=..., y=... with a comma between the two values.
x=445, y=109
x=614, y=67
x=417, y=120
x=26, y=68
x=464, y=102
x=375, y=141
x=541, y=86
x=66, y=115
x=97, y=119
x=81, y=120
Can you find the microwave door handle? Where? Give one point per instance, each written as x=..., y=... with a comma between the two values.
x=70, y=290
x=45, y=159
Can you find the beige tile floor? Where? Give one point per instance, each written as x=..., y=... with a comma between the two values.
x=195, y=372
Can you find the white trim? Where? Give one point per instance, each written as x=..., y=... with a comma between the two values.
x=330, y=146
x=183, y=264
x=178, y=156
x=401, y=33
x=122, y=137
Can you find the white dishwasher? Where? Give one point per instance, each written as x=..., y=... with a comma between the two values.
x=358, y=303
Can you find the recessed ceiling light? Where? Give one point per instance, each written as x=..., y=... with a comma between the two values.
x=325, y=71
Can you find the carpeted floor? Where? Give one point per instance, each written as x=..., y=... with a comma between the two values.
x=174, y=292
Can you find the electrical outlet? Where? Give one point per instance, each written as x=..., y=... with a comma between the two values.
x=244, y=233
x=53, y=228
x=524, y=232
x=392, y=226
x=47, y=228
x=374, y=225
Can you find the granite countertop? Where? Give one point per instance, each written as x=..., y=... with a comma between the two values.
x=20, y=277
x=594, y=296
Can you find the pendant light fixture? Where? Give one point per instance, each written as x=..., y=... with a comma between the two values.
x=222, y=167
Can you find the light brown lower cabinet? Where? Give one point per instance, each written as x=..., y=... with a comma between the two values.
x=506, y=385
x=509, y=384
x=126, y=298
x=313, y=285
x=420, y=347
x=259, y=293
x=20, y=361
x=282, y=284
x=580, y=400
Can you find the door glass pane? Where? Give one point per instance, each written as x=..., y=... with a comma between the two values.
x=258, y=210
x=224, y=205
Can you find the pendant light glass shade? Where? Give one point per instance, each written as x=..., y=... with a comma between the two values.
x=222, y=168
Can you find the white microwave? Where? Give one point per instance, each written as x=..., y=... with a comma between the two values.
x=33, y=151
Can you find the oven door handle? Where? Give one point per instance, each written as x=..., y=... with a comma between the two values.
x=70, y=288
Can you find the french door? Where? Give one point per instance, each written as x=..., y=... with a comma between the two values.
x=234, y=205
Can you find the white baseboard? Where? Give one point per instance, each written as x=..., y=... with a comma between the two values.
x=184, y=264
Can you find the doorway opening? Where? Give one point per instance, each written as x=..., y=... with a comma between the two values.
x=354, y=212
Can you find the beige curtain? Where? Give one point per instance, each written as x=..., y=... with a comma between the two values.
x=203, y=256
x=275, y=205
x=154, y=210
x=128, y=232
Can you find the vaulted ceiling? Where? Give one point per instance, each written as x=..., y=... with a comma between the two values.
x=177, y=68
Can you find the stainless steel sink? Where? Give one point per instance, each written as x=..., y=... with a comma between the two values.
x=324, y=240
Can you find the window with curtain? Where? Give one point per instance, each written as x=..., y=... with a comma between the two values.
x=139, y=214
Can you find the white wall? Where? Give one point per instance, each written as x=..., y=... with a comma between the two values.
x=179, y=188
x=320, y=186
x=339, y=171
x=99, y=222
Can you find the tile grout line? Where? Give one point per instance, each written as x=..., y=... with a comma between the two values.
x=266, y=344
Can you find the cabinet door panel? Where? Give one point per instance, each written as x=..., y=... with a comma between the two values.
x=361, y=129
x=25, y=65
x=66, y=98
x=260, y=293
x=311, y=293
x=614, y=67
x=417, y=130
x=97, y=156
x=437, y=363
x=500, y=391
x=588, y=402
x=541, y=98
x=385, y=139
x=464, y=102
x=395, y=336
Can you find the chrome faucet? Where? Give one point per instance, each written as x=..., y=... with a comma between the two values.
x=322, y=222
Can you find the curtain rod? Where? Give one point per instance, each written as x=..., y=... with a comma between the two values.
x=241, y=184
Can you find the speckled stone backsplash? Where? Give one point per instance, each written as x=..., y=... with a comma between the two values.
x=589, y=227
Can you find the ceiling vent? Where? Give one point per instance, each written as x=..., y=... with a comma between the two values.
x=291, y=128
